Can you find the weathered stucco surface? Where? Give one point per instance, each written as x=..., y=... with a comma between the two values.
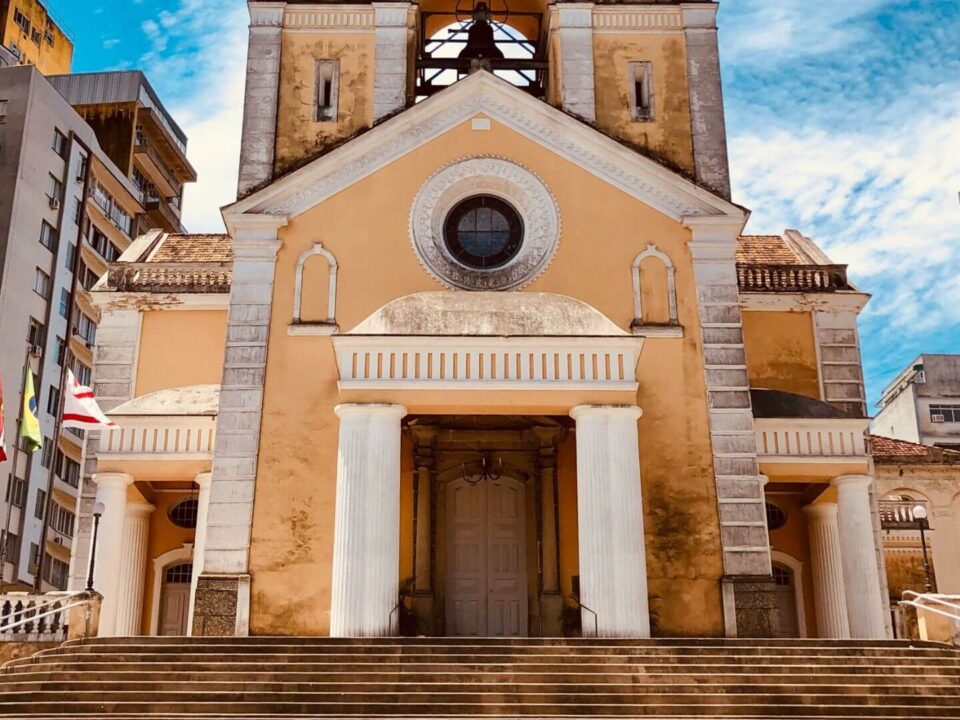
x=781, y=352
x=365, y=227
x=180, y=348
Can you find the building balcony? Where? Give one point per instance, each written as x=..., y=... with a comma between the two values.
x=162, y=213
x=154, y=167
x=792, y=278
x=171, y=153
x=898, y=514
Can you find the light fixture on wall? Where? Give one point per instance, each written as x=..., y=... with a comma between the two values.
x=919, y=513
x=489, y=469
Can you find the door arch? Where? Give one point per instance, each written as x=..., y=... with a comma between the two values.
x=789, y=600
x=175, y=598
x=486, y=588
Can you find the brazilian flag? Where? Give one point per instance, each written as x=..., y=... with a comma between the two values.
x=30, y=421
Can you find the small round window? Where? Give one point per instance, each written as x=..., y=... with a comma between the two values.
x=483, y=232
x=776, y=517
x=184, y=513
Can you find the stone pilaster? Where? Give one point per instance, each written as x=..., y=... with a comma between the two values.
x=551, y=600
x=259, y=138
x=573, y=23
x=133, y=559
x=366, y=543
x=230, y=511
x=200, y=539
x=390, y=59
x=841, y=369
x=827, y=564
x=112, y=492
x=613, y=566
x=711, y=163
x=743, y=526
x=865, y=606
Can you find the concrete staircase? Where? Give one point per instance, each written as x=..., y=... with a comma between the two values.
x=437, y=677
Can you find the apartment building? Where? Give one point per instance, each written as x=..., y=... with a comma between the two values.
x=139, y=135
x=66, y=211
x=31, y=35
x=922, y=404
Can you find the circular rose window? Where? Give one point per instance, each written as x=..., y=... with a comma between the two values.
x=483, y=232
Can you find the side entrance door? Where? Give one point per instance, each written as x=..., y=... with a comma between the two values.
x=486, y=559
x=175, y=599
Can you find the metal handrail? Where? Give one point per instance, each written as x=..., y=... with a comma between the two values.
x=920, y=597
x=596, y=624
x=390, y=617
x=26, y=615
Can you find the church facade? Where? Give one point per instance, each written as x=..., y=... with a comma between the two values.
x=485, y=353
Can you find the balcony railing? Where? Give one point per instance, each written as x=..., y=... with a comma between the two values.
x=792, y=278
x=171, y=277
x=811, y=440
x=160, y=436
x=898, y=514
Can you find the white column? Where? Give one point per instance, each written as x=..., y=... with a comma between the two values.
x=613, y=566
x=199, y=540
x=828, y=587
x=366, y=544
x=112, y=492
x=133, y=558
x=865, y=607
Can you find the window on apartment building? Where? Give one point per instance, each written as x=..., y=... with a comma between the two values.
x=328, y=89
x=49, y=36
x=10, y=543
x=108, y=251
x=36, y=36
x=41, y=284
x=35, y=334
x=641, y=91
x=61, y=350
x=62, y=520
x=3, y=111
x=117, y=214
x=34, y=557
x=48, y=236
x=21, y=21
x=54, y=187
x=40, y=507
x=64, y=302
x=59, y=142
x=46, y=454
x=82, y=373
x=82, y=167
x=945, y=413
x=77, y=211
x=71, y=256
x=16, y=489
x=86, y=328
x=53, y=401
x=69, y=471
x=55, y=572
x=86, y=277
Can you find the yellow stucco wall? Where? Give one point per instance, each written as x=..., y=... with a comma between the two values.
x=365, y=226
x=668, y=135
x=50, y=59
x=781, y=352
x=164, y=537
x=180, y=348
x=793, y=540
x=299, y=135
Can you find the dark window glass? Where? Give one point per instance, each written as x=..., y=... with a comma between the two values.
x=483, y=232
x=182, y=573
x=776, y=517
x=184, y=514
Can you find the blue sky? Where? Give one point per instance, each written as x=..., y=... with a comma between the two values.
x=843, y=119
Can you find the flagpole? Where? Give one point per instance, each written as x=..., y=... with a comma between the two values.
x=11, y=478
x=68, y=358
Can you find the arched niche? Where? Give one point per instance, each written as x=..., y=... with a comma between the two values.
x=646, y=319
x=327, y=326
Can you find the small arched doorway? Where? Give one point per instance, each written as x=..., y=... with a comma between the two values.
x=175, y=599
x=785, y=582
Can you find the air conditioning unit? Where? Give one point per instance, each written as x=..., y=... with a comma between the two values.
x=58, y=540
x=36, y=350
x=54, y=204
x=920, y=378
x=937, y=418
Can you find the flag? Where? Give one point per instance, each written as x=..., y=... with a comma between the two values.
x=29, y=422
x=3, y=447
x=80, y=409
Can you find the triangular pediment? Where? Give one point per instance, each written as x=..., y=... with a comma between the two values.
x=485, y=94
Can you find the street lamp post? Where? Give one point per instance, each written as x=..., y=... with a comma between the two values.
x=920, y=515
x=97, y=514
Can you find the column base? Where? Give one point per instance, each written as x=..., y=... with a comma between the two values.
x=754, y=605
x=551, y=615
x=222, y=606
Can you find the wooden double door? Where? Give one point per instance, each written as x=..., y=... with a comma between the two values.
x=486, y=593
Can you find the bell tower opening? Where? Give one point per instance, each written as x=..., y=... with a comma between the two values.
x=458, y=37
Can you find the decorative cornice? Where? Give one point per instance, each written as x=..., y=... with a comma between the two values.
x=638, y=176
x=624, y=19
x=266, y=15
x=351, y=18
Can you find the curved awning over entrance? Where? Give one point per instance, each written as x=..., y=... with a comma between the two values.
x=486, y=341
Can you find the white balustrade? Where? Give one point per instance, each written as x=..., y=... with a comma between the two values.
x=178, y=436
x=810, y=439
x=487, y=363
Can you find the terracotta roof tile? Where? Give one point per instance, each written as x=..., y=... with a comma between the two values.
x=193, y=248
x=904, y=451
x=766, y=250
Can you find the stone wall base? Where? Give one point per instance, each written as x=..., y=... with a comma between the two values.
x=222, y=607
x=754, y=605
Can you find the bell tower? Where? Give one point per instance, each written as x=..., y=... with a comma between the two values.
x=645, y=73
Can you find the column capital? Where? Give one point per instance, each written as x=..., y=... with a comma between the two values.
x=384, y=409
x=266, y=14
x=582, y=412
x=821, y=511
x=112, y=479
x=139, y=509
x=203, y=479
x=842, y=480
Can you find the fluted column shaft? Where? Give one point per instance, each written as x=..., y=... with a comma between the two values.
x=865, y=607
x=613, y=567
x=112, y=492
x=827, y=564
x=199, y=539
x=133, y=558
x=366, y=543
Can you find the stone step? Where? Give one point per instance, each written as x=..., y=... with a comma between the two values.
x=681, y=709
x=508, y=688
